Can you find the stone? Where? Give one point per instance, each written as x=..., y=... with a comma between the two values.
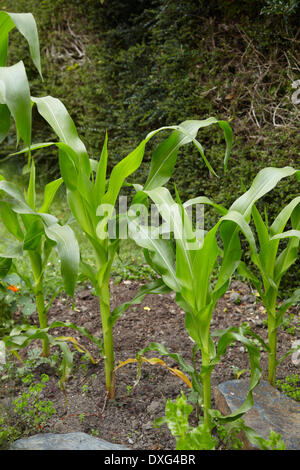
x=69, y=441
x=249, y=298
x=271, y=410
x=154, y=407
x=234, y=297
x=296, y=354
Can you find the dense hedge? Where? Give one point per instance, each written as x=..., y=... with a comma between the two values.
x=130, y=67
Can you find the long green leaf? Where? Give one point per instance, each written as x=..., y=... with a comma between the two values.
x=26, y=25
x=264, y=182
x=172, y=214
x=49, y=194
x=56, y=114
x=31, y=194
x=10, y=221
x=121, y=171
x=290, y=254
x=4, y=121
x=5, y=265
x=15, y=93
x=155, y=287
x=160, y=253
x=100, y=181
x=164, y=157
x=6, y=25
x=282, y=218
x=68, y=249
x=226, y=337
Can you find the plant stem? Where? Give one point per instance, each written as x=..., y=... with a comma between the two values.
x=272, y=338
x=206, y=381
x=39, y=296
x=107, y=331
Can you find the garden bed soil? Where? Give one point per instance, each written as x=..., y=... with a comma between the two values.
x=128, y=419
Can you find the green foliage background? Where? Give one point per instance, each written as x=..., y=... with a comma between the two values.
x=129, y=67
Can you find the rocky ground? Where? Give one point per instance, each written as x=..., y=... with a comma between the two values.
x=128, y=419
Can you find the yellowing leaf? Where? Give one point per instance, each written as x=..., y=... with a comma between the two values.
x=147, y=308
x=157, y=361
x=77, y=345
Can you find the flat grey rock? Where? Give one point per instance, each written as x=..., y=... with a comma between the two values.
x=271, y=410
x=69, y=441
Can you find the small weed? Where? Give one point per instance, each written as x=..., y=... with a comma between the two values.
x=290, y=328
x=290, y=386
x=33, y=411
x=238, y=372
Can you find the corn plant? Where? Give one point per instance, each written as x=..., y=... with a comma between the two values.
x=272, y=264
x=34, y=230
x=186, y=265
x=92, y=196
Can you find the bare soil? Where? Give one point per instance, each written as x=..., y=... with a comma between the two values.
x=128, y=419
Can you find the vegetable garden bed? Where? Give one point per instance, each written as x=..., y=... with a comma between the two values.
x=128, y=419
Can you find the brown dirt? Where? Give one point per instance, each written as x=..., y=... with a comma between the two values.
x=128, y=419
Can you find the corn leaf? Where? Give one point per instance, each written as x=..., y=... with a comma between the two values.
x=155, y=287
x=15, y=93
x=31, y=195
x=49, y=194
x=26, y=25
x=227, y=337
x=121, y=171
x=164, y=157
x=100, y=181
x=68, y=250
x=4, y=121
x=6, y=25
x=55, y=113
x=10, y=220
x=159, y=252
x=34, y=234
x=157, y=361
x=5, y=265
x=264, y=182
x=283, y=217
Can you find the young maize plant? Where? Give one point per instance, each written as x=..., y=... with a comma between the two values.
x=186, y=266
x=34, y=230
x=272, y=265
x=91, y=197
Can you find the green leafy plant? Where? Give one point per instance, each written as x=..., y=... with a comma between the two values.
x=28, y=412
x=202, y=437
x=34, y=231
x=92, y=196
x=290, y=386
x=272, y=264
x=280, y=8
x=186, y=265
x=33, y=411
